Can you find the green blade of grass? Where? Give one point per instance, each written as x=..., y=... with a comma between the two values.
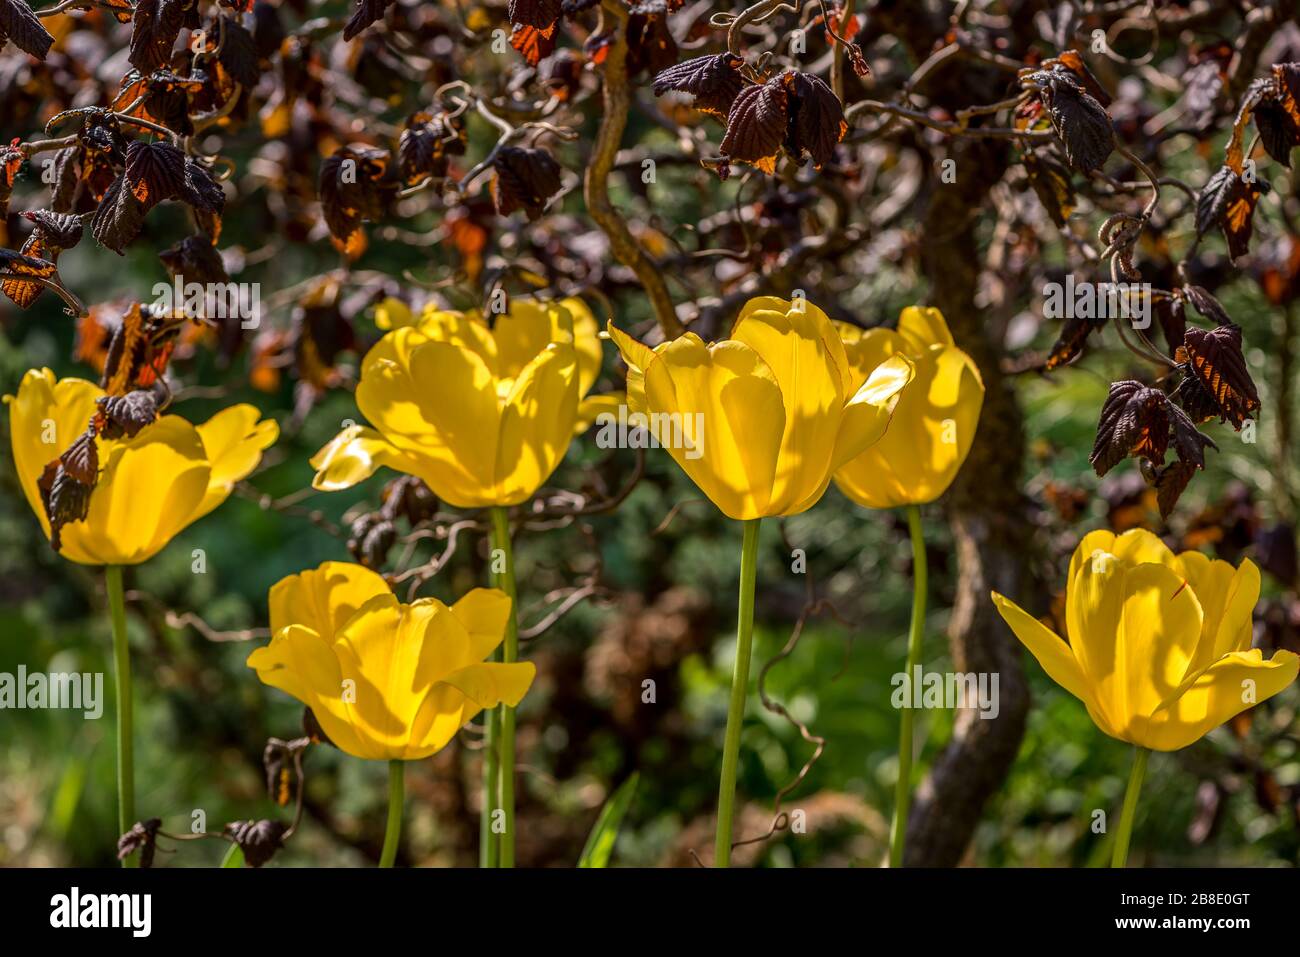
x=600, y=843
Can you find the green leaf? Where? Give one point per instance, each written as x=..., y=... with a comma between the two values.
x=600, y=844
x=234, y=857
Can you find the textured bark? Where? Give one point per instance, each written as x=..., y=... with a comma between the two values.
x=985, y=509
x=617, y=101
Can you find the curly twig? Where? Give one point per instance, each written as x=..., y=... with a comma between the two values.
x=617, y=101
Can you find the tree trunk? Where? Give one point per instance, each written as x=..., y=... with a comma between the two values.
x=986, y=512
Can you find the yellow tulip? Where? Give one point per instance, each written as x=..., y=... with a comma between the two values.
x=934, y=423
x=761, y=421
x=386, y=680
x=482, y=413
x=150, y=487
x=1159, y=649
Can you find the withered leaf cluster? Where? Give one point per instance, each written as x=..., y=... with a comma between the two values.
x=714, y=81
x=533, y=27
x=1216, y=382
x=155, y=28
x=1229, y=198
x=11, y=161
x=1070, y=342
x=426, y=143
x=39, y=255
x=372, y=534
x=142, y=837
x=1140, y=421
x=154, y=172
x=525, y=179
x=366, y=13
x=24, y=29
x=1050, y=181
x=259, y=840
x=282, y=762
x=1228, y=202
x=1079, y=119
x=1277, y=110
x=793, y=111
x=135, y=363
x=357, y=184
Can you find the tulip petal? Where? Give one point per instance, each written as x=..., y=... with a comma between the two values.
x=149, y=489
x=807, y=359
x=354, y=455
x=638, y=357
x=448, y=708
x=447, y=644
x=743, y=420
x=594, y=406
x=923, y=327
x=586, y=339
x=1137, y=546
x=464, y=329
x=233, y=441
x=1228, y=687
x=536, y=424
x=1094, y=602
x=324, y=598
x=485, y=613
x=803, y=317
x=1045, y=645
x=865, y=349
x=444, y=712
x=437, y=403
x=302, y=664
x=931, y=433
x=1160, y=626
x=380, y=651
x=488, y=684
x=45, y=417
x=392, y=313
x=868, y=415
x=526, y=331
x=1228, y=597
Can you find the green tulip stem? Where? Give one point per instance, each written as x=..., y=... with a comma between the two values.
x=739, y=692
x=903, y=789
x=1120, y=856
x=122, y=677
x=393, y=832
x=505, y=580
x=489, y=848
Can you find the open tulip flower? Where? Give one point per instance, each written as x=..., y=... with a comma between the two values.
x=483, y=413
x=779, y=405
x=935, y=420
x=142, y=491
x=760, y=422
x=1159, y=645
x=387, y=681
x=150, y=487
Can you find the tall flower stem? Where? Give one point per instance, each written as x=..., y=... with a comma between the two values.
x=489, y=848
x=396, y=793
x=122, y=677
x=903, y=790
x=505, y=580
x=1119, y=858
x=739, y=692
